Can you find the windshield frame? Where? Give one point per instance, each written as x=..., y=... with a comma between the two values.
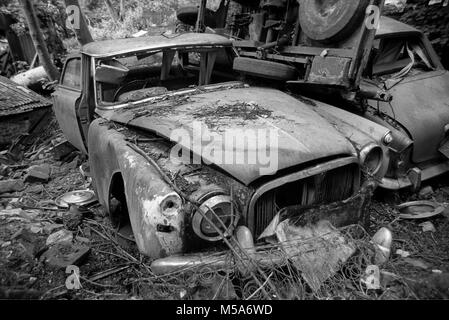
x=420, y=38
x=190, y=48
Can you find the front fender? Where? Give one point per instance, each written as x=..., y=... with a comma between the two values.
x=145, y=190
x=360, y=131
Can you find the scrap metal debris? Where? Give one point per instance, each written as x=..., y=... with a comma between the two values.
x=77, y=197
x=372, y=277
x=319, y=259
x=419, y=209
x=427, y=226
x=382, y=240
x=64, y=254
x=22, y=111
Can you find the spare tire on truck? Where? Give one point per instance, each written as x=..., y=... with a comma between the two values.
x=189, y=16
x=331, y=20
x=265, y=69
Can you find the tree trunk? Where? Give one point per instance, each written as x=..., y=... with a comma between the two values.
x=56, y=46
x=82, y=32
x=112, y=10
x=38, y=40
x=122, y=10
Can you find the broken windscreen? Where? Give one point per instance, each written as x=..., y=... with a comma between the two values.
x=137, y=76
x=399, y=57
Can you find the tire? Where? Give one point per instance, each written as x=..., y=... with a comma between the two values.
x=320, y=24
x=265, y=69
x=189, y=15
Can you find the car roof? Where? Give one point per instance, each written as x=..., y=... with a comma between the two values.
x=389, y=27
x=113, y=47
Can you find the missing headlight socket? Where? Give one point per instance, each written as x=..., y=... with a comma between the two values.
x=164, y=228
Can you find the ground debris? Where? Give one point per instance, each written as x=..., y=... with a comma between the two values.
x=426, y=192
x=73, y=218
x=4, y=170
x=38, y=173
x=29, y=268
x=59, y=236
x=63, y=254
x=11, y=185
x=416, y=263
x=428, y=227
x=61, y=150
x=319, y=259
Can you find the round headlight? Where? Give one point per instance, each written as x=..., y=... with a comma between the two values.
x=371, y=157
x=217, y=214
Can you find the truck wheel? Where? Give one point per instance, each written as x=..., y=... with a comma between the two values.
x=265, y=69
x=331, y=20
x=189, y=15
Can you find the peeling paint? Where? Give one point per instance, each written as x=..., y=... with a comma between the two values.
x=132, y=160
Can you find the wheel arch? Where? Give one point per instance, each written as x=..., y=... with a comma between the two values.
x=116, y=198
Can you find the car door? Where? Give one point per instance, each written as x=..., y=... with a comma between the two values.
x=66, y=102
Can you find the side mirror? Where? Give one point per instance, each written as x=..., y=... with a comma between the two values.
x=113, y=73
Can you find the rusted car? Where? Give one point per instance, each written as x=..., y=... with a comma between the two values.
x=404, y=88
x=135, y=107
x=405, y=65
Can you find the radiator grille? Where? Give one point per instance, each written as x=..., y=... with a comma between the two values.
x=326, y=187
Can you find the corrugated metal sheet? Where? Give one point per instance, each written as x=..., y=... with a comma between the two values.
x=15, y=99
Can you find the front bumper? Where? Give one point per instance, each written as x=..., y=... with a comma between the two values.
x=250, y=255
x=415, y=177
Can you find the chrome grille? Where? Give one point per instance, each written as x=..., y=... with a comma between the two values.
x=327, y=187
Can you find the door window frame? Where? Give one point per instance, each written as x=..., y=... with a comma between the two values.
x=61, y=84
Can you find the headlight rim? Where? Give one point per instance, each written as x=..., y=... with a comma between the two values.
x=365, y=153
x=207, y=204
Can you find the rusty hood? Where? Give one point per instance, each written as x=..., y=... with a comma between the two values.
x=247, y=132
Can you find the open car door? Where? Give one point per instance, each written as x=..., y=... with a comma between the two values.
x=66, y=102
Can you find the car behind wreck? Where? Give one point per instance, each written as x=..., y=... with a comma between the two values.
x=405, y=65
x=159, y=117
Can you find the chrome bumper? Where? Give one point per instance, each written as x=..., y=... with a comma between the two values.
x=221, y=260
x=415, y=180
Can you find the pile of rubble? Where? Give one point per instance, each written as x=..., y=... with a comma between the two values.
x=33, y=225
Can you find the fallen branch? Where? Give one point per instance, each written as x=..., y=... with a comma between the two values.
x=98, y=284
x=107, y=273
